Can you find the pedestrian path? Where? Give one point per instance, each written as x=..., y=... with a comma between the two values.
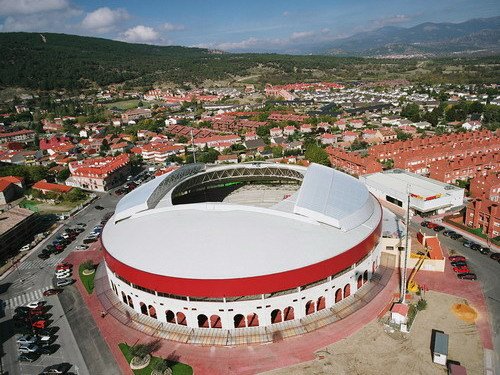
x=39, y=263
x=24, y=299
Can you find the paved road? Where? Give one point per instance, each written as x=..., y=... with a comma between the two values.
x=27, y=283
x=488, y=273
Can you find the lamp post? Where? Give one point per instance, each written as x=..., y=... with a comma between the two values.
x=405, y=263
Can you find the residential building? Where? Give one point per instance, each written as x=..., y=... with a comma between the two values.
x=136, y=114
x=24, y=136
x=227, y=159
x=352, y=163
x=99, y=174
x=484, y=214
x=17, y=227
x=11, y=188
x=486, y=186
x=276, y=132
x=47, y=187
x=386, y=134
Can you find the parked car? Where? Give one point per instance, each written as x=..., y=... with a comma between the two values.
x=431, y=225
x=459, y=264
x=475, y=247
x=447, y=233
x=51, y=292
x=485, y=250
x=457, y=258
x=99, y=207
x=55, y=370
x=25, y=248
x=26, y=340
x=461, y=269
x=89, y=240
x=468, y=244
x=63, y=275
x=424, y=223
x=29, y=348
x=439, y=228
x=44, y=256
x=495, y=256
x=64, y=282
x=455, y=236
x=467, y=276
x=27, y=357
x=40, y=324
x=35, y=304
x=83, y=225
x=82, y=247
x=64, y=266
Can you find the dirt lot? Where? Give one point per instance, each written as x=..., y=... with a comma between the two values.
x=373, y=351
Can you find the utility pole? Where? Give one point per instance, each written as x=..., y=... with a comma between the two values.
x=192, y=144
x=405, y=263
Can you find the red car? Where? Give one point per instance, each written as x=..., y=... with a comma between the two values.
x=457, y=258
x=50, y=292
x=64, y=266
x=40, y=324
x=432, y=225
x=463, y=269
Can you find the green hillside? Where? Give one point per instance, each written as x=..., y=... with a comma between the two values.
x=73, y=62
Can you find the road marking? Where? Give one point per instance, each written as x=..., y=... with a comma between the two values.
x=24, y=299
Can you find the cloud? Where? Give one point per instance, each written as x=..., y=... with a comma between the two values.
x=298, y=35
x=390, y=20
x=13, y=7
x=286, y=13
x=104, y=19
x=141, y=34
x=53, y=21
x=167, y=26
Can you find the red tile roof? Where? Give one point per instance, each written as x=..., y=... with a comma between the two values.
x=47, y=186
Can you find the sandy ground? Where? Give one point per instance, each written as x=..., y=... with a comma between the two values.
x=373, y=351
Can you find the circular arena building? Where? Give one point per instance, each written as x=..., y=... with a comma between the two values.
x=232, y=247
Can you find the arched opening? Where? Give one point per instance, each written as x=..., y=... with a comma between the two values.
x=288, y=313
x=365, y=276
x=130, y=302
x=338, y=295
x=170, y=316
x=144, y=308
x=239, y=321
x=202, y=321
x=124, y=298
x=215, y=321
x=360, y=281
x=320, y=304
x=347, y=290
x=253, y=320
x=181, y=318
x=309, y=307
x=152, y=311
x=276, y=316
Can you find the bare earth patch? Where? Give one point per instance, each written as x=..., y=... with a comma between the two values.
x=374, y=351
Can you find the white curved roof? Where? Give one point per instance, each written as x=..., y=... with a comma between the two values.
x=330, y=214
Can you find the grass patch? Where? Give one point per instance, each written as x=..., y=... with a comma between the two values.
x=87, y=280
x=124, y=104
x=178, y=368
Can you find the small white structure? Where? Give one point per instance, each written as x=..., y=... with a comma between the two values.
x=399, y=313
x=440, y=348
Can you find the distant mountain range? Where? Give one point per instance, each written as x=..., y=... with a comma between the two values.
x=477, y=36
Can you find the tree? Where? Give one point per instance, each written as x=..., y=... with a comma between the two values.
x=402, y=136
x=63, y=175
x=411, y=111
x=75, y=195
x=316, y=154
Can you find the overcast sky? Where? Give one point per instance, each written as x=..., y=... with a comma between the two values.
x=239, y=26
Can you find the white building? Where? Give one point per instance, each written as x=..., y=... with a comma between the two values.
x=427, y=196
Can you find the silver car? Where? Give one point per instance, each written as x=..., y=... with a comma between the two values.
x=30, y=348
x=26, y=340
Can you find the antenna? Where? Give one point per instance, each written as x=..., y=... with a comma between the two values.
x=403, y=284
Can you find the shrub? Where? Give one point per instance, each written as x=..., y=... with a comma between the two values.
x=88, y=265
x=421, y=304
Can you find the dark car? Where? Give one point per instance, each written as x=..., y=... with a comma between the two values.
x=495, y=256
x=475, y=247
x=99, y=207
x=50, y=292
x=455, y=236
x=485, y=250
x=27, y=357
x=459, y=264
x=424, y=223
x=44, y=256
x=467, y=276
x=448, y=233
x=25, y=309
x=61, y=368
x=439, y=228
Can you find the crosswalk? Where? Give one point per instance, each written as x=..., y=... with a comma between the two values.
x=39, y=263
x=23, y=299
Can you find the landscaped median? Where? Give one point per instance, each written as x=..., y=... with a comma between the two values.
x=143, y=363
x=86, y=271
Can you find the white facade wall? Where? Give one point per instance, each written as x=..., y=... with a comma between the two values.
x=262, y=307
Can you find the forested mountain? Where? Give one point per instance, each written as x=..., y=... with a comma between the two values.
x=53, y=61
x=438, y=39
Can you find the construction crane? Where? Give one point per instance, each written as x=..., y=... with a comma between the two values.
x=412, y=285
